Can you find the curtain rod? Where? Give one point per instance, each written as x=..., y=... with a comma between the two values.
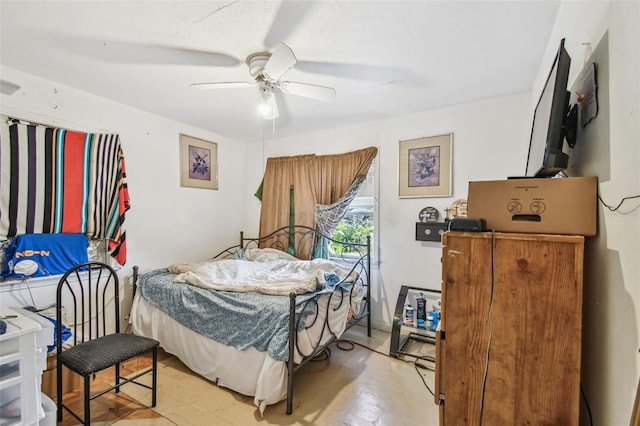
x=43, y=120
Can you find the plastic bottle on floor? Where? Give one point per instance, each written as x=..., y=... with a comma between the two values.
x=408, y=315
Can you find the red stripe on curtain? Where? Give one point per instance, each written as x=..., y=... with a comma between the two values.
x=73, y=167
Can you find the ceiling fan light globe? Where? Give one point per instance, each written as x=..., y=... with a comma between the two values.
x=265, y=95
x=270, y=111
x=264, y=109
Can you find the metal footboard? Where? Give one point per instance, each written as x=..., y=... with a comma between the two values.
x=355, y=254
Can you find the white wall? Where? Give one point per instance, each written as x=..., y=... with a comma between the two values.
x=490, y=141
x=167, y=222
x=611, y=332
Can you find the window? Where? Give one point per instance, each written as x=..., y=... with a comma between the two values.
x=360, y=218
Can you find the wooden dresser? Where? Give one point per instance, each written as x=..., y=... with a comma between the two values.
x=508, y=348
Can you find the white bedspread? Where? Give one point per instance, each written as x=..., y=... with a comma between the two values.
x=267, y=273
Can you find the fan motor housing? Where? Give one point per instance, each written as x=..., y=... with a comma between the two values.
x=256, y=63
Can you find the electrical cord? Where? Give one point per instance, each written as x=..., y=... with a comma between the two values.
x=417, y=365
x=493, y=282
x=324, y=356
x=422, y=358
x=26, y=282
x=351, y=346
x=613, y=209
x=484, y=379
x=586, y=403
x=423, y=366
x=342, y=341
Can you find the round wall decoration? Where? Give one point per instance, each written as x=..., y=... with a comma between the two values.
x=459, y=208
x=429, y=214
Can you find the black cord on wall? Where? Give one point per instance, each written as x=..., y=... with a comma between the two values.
x=586, y=403
x=613, y=209
x=493, y=282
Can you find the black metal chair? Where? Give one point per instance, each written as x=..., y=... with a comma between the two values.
x=88, y=293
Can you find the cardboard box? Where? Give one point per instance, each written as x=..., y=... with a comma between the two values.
x=539, y=205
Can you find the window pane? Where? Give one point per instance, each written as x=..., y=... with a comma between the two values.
x=358, y=221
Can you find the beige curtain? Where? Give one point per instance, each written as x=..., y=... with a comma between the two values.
x=302, y=182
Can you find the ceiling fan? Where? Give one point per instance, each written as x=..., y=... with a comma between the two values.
x=267, y=69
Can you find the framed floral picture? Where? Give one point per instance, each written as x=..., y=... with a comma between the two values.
x=424, y=168
x=198, y=163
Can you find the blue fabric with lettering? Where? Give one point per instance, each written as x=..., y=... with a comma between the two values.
x=66, y=333
x=52, y=253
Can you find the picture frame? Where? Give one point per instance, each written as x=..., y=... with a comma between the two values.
x=198, y=163
x=424, y=167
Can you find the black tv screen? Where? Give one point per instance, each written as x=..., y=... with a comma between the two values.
x=549, y=127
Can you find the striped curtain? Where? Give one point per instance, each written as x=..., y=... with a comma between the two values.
x=54, y=180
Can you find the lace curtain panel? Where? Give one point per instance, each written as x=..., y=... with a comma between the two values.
x=328, y=216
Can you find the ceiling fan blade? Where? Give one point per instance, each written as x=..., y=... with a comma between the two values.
x=222, y=85
x=144, y=54
x=289, y=16
x=281, y=61
x=356, y=71
x=312, y=91
x=8, y=88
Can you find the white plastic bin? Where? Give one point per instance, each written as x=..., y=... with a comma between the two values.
x=50, y=411
x=20, y=374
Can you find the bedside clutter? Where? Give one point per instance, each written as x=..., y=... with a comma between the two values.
x=564, y=206
x=432, y=231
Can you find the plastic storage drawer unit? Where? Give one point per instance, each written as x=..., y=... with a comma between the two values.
x=20, y=371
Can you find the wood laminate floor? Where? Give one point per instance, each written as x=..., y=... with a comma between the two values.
x=359, y=384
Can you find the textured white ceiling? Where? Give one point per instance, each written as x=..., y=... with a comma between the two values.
x=384, y=58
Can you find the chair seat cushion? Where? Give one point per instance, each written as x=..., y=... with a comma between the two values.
x=96, y=355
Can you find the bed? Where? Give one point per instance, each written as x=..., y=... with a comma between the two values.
x=251, y=316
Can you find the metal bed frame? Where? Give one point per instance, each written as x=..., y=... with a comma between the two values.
x=306, y=237
x=312, y=244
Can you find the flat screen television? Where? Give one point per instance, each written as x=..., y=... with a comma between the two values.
x=553, y=122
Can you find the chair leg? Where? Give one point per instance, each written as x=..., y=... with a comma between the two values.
x=154, y=380
x=87, y=400
x=117, y=377
x=59, y=389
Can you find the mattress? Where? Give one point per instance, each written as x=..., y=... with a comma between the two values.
x=247, y=371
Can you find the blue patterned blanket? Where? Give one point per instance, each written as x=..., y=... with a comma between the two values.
x=235, y=319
